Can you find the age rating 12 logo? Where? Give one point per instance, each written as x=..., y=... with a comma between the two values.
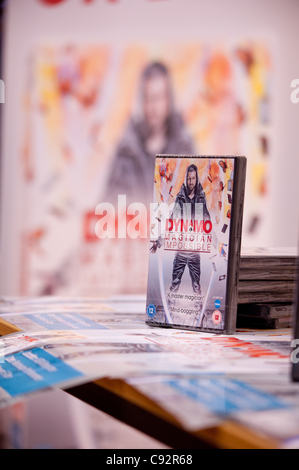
x=216, y=317
x=151, y=310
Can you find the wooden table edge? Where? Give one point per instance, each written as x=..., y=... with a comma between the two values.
x=7, y=328
x=125, y=403
x=123, y=400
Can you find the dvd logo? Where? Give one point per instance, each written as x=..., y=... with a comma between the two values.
x=295, y=93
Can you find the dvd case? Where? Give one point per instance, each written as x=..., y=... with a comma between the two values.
x=195, y=234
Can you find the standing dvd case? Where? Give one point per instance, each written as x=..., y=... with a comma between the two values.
x=195, y=234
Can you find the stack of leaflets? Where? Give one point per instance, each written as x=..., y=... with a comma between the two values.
x=266, y=287
x=202, y=380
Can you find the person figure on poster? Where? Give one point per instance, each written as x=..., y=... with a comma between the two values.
x=192, y=194
x=158, y=129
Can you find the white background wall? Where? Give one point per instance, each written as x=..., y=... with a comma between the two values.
x=30, y=23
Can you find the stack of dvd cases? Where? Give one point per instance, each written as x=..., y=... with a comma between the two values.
x=266, y=287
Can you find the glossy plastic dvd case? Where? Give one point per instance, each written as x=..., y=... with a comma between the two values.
x=196, y=225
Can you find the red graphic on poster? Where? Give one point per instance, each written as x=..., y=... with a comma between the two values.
x=52, y=2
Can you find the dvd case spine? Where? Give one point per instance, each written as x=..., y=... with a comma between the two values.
x=235, y=245
x=295, y=342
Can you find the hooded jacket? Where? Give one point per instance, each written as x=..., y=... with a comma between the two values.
x=191, y=211
x=132, y=169
x=198, y=198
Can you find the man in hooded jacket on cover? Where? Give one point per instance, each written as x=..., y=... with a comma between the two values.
x=192, y=194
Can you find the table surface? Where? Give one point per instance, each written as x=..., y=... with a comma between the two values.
x=156, y=380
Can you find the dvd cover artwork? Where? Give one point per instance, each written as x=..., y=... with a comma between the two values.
x=190, y=267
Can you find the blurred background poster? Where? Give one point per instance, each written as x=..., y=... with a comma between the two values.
x=92, y=115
